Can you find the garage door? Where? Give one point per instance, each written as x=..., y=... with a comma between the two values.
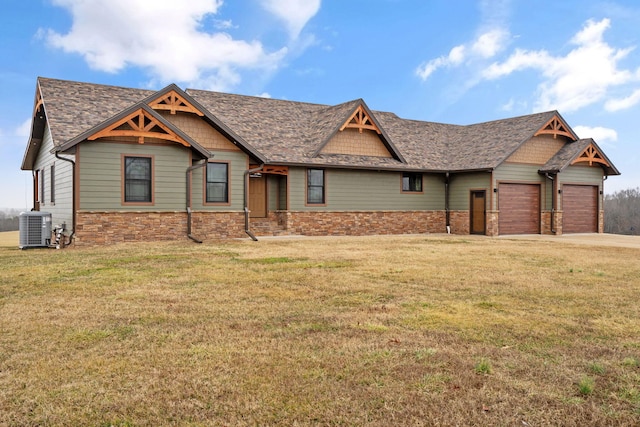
x=580, y=208
x=519, y=206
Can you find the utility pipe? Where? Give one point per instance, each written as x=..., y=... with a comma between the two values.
x=190, y=169
x=246, y=200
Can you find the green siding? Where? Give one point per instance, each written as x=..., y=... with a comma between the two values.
x=460, y=186
x=101, y=176
x=237, y=166
x=581, y=175
x=526, y=174
x=348, y=190
x=62, y=208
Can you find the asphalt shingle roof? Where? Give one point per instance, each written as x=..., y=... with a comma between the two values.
x=292, y=132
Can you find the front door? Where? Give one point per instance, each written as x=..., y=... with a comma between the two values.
x=258, y=196
x=478, y=212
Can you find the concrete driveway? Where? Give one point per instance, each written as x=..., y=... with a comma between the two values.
x=593, y=239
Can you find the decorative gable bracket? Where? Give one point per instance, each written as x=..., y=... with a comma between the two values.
x=173, y=102
x=556, y=127
x=591, y=155
x=360, y=120
x=139, y=124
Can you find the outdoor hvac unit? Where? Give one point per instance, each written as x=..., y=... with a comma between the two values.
x=35, y=229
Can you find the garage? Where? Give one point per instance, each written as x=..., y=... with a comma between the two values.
x=519, y=206
x=580, y=208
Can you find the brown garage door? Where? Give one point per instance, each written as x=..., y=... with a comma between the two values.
x=579, y=208
x=519, y=206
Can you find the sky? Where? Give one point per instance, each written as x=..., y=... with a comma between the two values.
x=458, y=62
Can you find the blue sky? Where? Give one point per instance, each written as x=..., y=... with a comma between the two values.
x=459, y=62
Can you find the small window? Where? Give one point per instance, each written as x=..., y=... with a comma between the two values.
x=217, y=183
x=52, y=180
x=412, y=182
x=315, y=186
x=42, y=182
x=137, y=180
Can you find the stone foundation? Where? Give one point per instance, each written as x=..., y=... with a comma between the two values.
x=459, y=221
x=358, y=223
x=105, y=228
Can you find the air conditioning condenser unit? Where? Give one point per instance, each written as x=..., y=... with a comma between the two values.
x=35, y=229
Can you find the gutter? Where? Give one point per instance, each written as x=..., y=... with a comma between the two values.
x=246, y=201
x=190, y=169
x=73, y=195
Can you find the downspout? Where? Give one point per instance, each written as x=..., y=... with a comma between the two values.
x=446, y=202
x=554, y=194
x=73, y=196
x=189, y=170
x=246, y=201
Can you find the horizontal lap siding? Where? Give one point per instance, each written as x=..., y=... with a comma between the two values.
x=237, y=165
x=519, y=208
x=462, y=184
x=580, y=209
x=100, y=169
x=353, y=190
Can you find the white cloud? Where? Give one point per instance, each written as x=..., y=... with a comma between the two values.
x=165, y=39
x=486, y=45
x=570, y=82
x=613, y=105
x=599, y=134
x=264, y=95
x=294, y=13
x=24, y=129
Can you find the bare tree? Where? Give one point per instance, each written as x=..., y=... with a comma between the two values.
x=622, y=212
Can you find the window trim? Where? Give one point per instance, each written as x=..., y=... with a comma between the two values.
x=402, y=176
x=52, y=183
x=123, y=180
x=205, y=202
x=42, y=186
x=324, y=188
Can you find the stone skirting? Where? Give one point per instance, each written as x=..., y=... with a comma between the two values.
x=104, y=228
x=358, y=223
x=459, y=222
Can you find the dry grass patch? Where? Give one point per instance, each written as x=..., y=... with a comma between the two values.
x=340, y=331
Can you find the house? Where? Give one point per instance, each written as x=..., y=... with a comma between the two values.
x=118, y=164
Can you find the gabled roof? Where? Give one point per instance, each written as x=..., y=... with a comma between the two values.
x=581, y=151
x=291, y=133
x=140, y=121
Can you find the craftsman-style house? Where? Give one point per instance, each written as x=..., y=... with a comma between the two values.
x=117, y=164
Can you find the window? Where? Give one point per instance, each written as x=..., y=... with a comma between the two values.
x=137, y=179
x=217, y=183
x=42, y=186
x=53, y=183
x=412, y=182
x=315, y=186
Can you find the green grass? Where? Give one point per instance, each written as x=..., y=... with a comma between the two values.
x=374, y=331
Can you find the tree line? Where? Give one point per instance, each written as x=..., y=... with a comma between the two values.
x=622, y=212
x=9, y=220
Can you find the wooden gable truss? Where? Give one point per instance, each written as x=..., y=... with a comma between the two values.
x=173, y=102
x=139, y=124
x=591, y=155
x=360, y=120
x=556, y=127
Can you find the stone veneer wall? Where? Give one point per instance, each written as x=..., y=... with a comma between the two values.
x=459, y=221
x=103, y=228
x=358, y=223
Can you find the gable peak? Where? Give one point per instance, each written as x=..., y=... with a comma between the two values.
x=591, y=155
x=556, y=126
x=360, y=120
x=173, y=102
